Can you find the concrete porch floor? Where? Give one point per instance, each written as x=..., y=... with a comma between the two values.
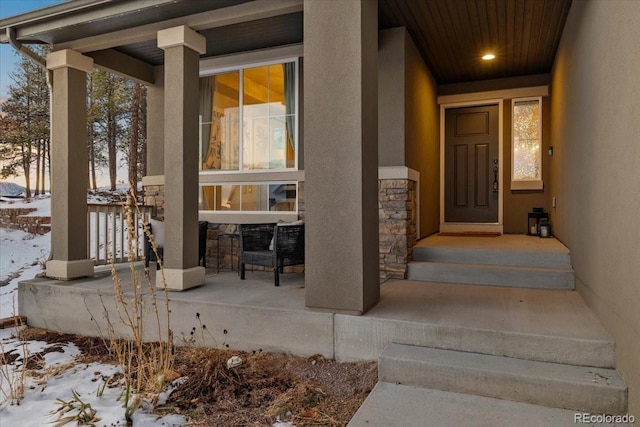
x=510, y=242
x=256, y=315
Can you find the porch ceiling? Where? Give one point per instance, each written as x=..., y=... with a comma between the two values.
x=450, y=35
x=453, y=35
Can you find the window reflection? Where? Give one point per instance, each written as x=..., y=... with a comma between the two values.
x=527, y=141
x=266, y=136
x=249, y=198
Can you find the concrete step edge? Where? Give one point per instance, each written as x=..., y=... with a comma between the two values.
x=542, y=383
x=357, y=341
x=533, y=277
x=492, y=257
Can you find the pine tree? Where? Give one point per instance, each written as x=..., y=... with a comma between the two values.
x=25, y=125
x=111, y=100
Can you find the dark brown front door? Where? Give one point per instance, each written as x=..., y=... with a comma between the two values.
x=471, y=157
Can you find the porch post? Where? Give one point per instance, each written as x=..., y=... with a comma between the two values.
x=341, y=154
x=155, y=125
x=182, y=47
x=69, y=165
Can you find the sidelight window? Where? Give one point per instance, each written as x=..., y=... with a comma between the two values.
x=526, y=158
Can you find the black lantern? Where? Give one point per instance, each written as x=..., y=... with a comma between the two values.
x=533, y=221
x=544, y=228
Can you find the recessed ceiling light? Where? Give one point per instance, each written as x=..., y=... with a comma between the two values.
x=489, y=57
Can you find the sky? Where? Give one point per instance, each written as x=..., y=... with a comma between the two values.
x=8, y=59
x=8, y=55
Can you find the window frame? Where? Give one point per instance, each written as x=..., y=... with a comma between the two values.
x=295, y=175
x=526, y=184
x=240, y=69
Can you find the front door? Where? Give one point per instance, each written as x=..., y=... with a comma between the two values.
x=471, y=164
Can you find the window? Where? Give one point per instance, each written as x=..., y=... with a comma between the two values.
x=249, y=197
x=526, y=155
x=248, y=139
x=248, y=119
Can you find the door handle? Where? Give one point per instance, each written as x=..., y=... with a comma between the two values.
x=496, y=186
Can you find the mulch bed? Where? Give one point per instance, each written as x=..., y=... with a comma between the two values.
x=266, y=387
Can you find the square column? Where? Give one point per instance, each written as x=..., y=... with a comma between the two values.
x=341, y=154
x=155, y=125
x=182, y=48
x=69, y=165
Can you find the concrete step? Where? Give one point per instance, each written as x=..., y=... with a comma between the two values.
x=396, y=405
x=497, y=275
x=593, y=390
x=484, y=256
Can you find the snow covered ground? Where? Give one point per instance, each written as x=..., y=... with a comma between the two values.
x=59, y=380
x=22, y=256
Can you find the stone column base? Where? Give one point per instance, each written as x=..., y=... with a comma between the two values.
x=180, y=279
x=66, y=270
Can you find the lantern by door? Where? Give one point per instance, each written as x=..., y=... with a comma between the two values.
x=533, y=221
x=544, y=228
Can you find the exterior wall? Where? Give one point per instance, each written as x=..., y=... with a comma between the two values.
x=596, y=168
x=408, y=117
x=517, y=203
x=154, y=197
x=391, y=97
x=397, y=210
x=422, y=122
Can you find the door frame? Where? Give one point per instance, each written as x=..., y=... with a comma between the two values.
x=456, y=227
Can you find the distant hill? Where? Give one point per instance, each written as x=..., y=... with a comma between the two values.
x=9, y=189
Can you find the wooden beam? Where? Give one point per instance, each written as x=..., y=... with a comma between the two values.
x=123, y=65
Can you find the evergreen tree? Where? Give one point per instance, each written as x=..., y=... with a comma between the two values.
x=111, y=98
x=24, y=129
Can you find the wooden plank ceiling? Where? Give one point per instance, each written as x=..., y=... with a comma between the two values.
x=452, y=35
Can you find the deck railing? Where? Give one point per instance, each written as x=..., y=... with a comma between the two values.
x=108, y=234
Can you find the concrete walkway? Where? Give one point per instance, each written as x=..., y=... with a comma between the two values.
x=394, y=405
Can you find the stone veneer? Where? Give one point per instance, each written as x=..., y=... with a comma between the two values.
x=18, y=219
x=397, y=227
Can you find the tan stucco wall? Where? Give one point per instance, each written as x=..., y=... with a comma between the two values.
x=596, y=168
x=422, y=124
x=391, y=97
x=518, y=203
x=408, y=117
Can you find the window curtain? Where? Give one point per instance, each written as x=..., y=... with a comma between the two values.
x=289, y=69
x=211, y=130
x=206, y=104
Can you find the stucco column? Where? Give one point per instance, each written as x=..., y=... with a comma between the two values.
x=182, y=48
x=155, y=127
x=341, y=154
x=69, y=165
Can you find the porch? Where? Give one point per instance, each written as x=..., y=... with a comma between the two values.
x=249, y=315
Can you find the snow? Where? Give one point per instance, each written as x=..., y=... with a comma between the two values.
x=41, y=203
x=22, y=256
x=53, y=383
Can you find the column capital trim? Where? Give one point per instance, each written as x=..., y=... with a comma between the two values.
x=182, y=36
x=69, y=58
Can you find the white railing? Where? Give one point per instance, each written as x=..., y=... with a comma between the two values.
x=108, y=234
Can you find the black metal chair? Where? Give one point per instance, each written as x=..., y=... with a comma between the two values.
x=271, y=245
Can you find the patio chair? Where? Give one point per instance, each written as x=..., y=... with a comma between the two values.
x=270, y=245
x=157, y=229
